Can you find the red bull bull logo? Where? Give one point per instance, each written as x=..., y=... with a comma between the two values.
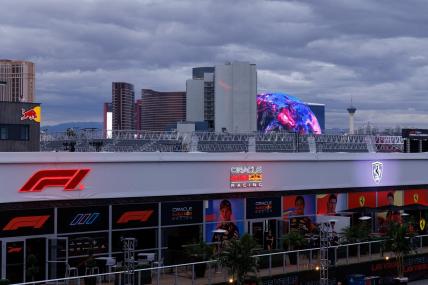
x=32, y=114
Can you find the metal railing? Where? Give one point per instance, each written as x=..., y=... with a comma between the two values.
x=270, y=264
x=146, y=141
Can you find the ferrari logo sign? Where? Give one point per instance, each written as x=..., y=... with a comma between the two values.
x=416, y=197
x=362, y=201
x=422, y=224
x=377, y=171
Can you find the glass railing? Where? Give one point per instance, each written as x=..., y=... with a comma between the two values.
x=211, y=272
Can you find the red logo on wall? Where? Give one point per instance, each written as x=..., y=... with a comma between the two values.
x=12, y=249
x=69, y=179
x=33, y=114
x=418, y=196
x=361, y=199
x=140, y=216
x=35, y=222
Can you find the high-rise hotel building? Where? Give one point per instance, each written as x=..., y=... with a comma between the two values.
x=161, y=111
x=17, y=81
x=123, y=106
x=224, y=96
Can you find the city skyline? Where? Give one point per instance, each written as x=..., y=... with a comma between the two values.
x=373, y=51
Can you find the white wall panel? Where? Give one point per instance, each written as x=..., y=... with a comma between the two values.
x=115, y=175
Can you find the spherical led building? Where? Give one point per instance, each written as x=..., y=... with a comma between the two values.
x=282, y=112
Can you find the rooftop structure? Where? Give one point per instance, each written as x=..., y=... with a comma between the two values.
x=146, y=141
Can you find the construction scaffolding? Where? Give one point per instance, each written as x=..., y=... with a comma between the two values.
x=129, y=260
x=325, y=238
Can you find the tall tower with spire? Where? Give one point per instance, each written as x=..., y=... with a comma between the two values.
x=351, y=111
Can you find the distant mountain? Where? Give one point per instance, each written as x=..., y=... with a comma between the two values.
x=75, y=125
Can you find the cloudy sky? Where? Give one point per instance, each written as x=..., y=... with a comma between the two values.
x=320, y=51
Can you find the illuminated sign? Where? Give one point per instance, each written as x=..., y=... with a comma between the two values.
x=263, y=207
x=135, y=215
x=422, y=224
x=246, y=177
x=35, y=222
x=187, y=212
x=69, y=179
x=140, y=216
x=181, y=213
x=377, y=171
x=362, y=200
x=416, y=198
x=84, y=219
x=33, y=114
x=14, y=249
x=26, y=222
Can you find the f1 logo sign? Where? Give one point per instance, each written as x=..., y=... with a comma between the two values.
x=68, y=179
x=35, y=222
x=12, y=249
x=140, y=216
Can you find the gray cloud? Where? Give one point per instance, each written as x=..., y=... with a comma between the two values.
x=321, y=51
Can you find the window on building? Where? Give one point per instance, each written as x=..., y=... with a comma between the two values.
x=3, y=133
x=24, y=133
x=15, y=132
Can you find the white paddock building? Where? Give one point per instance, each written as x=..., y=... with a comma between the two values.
x=60, y=206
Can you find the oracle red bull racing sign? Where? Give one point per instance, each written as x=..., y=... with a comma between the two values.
x=246, y=177
x=33, y=114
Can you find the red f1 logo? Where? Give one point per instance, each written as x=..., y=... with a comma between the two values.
x=141, y=216
x=69, y=179
x=35, y=222
x=12, y=249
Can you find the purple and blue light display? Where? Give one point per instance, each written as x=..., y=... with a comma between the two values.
x=282, y=112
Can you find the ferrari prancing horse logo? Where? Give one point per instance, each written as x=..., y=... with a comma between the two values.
x=377, y=171
x=422, y=224
x=362, y=201
x=416, y=198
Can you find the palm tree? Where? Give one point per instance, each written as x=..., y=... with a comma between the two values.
x=200, y=252
x=237, y=257
x=294, y=240
x=399, y=241
x=357, y=233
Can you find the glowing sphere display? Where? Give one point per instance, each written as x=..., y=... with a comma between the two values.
x=282, y=112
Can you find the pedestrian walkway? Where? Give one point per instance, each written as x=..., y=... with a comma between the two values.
x=419, y=282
